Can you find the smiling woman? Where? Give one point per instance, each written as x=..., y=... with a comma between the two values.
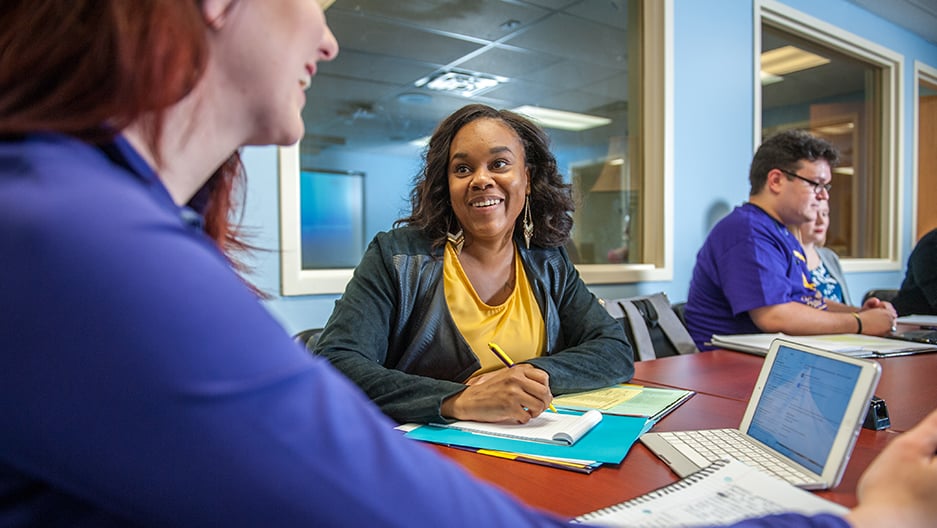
x=488, y=185
x=479, y=259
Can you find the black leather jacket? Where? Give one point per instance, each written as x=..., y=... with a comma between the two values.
x=393, y=335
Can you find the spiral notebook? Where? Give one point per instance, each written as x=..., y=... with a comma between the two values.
x=549, y=427
x=724, y=492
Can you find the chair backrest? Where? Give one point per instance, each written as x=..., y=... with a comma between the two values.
x=679, y=308
x=308, y=337
x=885, y=295
x=652, y=326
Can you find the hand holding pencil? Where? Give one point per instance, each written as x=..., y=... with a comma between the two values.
x=508, y=362
x=511, y=395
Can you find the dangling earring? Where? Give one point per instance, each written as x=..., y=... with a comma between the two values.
x=528, y=223
x=457, y=240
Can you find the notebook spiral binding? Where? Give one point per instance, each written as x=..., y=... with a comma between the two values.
x=683, y=483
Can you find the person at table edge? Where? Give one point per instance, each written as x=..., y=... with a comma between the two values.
x=751, y=275
x=480, y=259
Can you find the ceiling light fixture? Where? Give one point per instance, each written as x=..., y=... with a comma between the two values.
x=561, y=119
x=421, y=142
x=460, y=83
x=838, y=129
x=789, y=59
x=767, y=78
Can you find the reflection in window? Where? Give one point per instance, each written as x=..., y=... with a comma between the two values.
x=405, y=66
x=331, y=213
x=809, y=82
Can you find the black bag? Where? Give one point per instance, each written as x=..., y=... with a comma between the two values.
x=651, y=326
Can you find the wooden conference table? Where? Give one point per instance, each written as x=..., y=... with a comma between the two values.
x=723, y=381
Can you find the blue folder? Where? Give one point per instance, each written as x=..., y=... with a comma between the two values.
x=607, y=442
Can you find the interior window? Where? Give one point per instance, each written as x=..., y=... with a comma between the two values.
x=577, y=68
x=809, y=81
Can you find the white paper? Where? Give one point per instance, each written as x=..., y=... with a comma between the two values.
x=720, y=494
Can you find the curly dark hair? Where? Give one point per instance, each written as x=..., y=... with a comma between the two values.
x=785, y=150
x=551, y=200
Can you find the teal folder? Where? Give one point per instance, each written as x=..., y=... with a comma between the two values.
x=607, y=442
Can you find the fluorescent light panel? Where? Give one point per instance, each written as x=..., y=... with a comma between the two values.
x=561, y=119
x=421, y=142
x=789, y=59
x=767, y=78
x=836, y=130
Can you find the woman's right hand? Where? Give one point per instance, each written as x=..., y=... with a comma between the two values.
x=876, y=321
x=513, y=395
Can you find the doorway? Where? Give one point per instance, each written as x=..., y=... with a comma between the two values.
x=926, y=151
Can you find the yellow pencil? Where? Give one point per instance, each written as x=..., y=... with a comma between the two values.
x=508, y=362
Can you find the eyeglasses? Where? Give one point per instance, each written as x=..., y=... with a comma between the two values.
x=817, y=186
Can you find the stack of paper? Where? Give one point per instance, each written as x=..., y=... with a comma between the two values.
x=855, y=345
x=919, y=320
x=626, y=400
x=607, y=442
x=591, y=439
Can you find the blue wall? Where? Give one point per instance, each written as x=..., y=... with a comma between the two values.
x=713, y=144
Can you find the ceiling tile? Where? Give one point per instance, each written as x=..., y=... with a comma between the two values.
x=611, y=12
x=574, y=38
x=509, y=63
x=367, y=66
x=382, y=38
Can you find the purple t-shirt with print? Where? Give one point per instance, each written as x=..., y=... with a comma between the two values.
x=749, y=260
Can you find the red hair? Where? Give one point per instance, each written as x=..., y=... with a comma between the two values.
x=101, y=65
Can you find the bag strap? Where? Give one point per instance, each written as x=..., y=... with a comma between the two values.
x=672, y=327
x=642, y=338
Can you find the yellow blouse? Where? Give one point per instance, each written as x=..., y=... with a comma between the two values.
x=516, y=325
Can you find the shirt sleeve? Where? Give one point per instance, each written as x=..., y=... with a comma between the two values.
x=755, y=271
x=145, y=380
x=794, y=520
x=356, y=340
x=594, y=351
x=923, y=266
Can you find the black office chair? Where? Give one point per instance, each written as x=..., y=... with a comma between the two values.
x=308, y=338
x=885, y=295
x=679, y=308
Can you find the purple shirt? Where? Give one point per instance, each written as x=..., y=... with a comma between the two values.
x=748, y=261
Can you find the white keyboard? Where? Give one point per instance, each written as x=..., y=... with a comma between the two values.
x=705, y=447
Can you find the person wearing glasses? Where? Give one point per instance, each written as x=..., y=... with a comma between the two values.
x=751, y=274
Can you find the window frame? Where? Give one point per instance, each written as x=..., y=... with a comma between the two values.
x=657, y=155
x=797, y=23
x=656, y=77
x=294, y=279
